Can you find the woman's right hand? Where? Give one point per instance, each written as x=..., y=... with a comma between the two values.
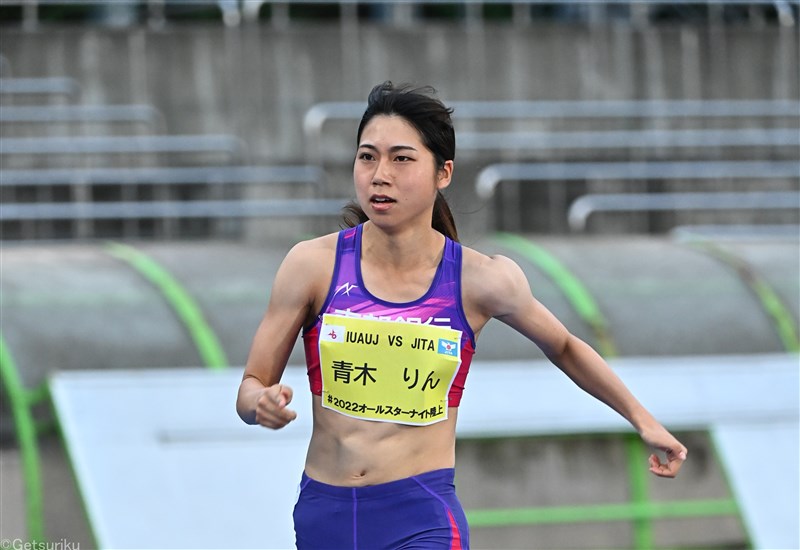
x=299, y=288
x=271, y=411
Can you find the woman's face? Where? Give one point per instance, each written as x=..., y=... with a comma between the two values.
x=395, y=174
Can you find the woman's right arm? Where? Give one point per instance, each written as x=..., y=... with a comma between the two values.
x=262, y=399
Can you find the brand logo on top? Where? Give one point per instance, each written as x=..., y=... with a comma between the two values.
x=345, y=289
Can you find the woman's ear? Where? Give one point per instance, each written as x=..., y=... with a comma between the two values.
x=444, y=175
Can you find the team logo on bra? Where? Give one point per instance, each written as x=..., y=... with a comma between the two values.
x=333, y=333
x=448, y=347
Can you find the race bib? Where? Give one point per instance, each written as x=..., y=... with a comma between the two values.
x=387, y=371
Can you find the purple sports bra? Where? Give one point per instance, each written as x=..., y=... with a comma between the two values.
x=440, y=305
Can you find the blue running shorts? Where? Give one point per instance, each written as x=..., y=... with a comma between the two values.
x=421, y=512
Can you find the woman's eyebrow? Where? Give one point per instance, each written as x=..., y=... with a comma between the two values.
x=392, y=149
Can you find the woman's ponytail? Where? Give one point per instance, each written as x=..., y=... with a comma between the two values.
x=443, y=220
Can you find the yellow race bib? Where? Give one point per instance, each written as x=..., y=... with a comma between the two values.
x=387, y=371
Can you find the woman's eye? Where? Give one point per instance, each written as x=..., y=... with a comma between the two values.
x=402, y=158
x=365, y=156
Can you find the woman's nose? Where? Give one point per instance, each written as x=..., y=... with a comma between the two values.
x=383, y=173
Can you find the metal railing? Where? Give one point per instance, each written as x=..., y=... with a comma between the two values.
x=165, y=176
x=41, y=214
x=736, y=232
x=170, y=209
x=102, y=145
x=322, y=112
x=104, y=114
x=629, y=139
x=489, y=178
x=59, y=86
x=316, y=117
x=583, y=207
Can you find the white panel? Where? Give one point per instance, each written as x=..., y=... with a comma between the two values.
x=762, y=464
x=163, y=461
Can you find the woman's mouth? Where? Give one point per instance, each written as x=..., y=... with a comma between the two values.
x=381, y=202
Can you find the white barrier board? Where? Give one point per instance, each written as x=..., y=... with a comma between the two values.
x=163, y=461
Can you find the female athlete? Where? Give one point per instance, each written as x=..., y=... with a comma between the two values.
x=391, y=309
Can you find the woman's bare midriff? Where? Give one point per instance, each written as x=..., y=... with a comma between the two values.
x=349, y=452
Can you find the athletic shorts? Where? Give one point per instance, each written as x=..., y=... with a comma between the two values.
x=420, y=512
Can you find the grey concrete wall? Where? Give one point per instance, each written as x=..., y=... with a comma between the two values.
x=257, y=82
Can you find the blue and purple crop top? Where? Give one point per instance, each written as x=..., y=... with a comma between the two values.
x=440, y=306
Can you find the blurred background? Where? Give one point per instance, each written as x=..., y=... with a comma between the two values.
x=639, y=160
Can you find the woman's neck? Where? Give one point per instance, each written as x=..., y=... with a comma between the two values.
x=413, y=248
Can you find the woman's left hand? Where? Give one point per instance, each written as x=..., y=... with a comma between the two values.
x=659, y=438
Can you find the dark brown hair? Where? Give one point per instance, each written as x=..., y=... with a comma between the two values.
x=420, y=108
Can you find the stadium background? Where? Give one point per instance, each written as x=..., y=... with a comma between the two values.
x=103, y=219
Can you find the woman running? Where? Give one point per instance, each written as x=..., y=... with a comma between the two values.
x=391, y=309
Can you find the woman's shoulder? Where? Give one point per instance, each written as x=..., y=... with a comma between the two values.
x=477, y=264
x=316, y=245
x=489, y=282
x=307, y=266
x=311, y=255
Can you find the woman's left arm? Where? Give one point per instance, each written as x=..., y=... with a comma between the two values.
x=592, y=374
x=509, y=299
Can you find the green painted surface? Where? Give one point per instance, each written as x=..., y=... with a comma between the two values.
x=780, y=315
x=626, y=511
x=181, y=302
x=573, y=289
x=19, y=400
x=639, y=490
